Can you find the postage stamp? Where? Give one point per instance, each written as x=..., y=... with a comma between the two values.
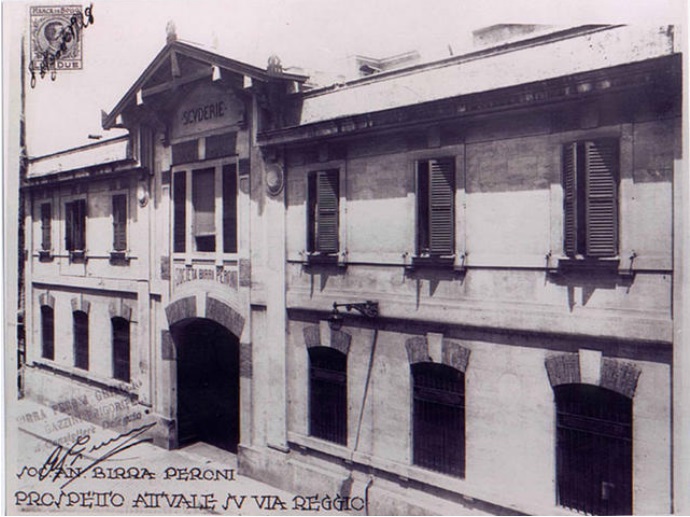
x=56, y=37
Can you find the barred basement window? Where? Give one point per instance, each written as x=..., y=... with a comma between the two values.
x=439, y=418
x=75, y=227
x=121, y=348
x=47, y=332
x=120, y=222
x=594, y=450
x=328, y=394
x=180, y=211
x=590, y=201
x=323, y=208
x=46, y=217
x=80, y=330
x=435, y=207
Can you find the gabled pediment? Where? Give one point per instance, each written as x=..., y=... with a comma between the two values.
x=178, y=67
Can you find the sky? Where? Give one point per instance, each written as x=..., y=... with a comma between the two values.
x=313, y=34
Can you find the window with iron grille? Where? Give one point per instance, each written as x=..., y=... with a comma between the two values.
x=436, y=207
x=46, y=218
x=590, y=198
x=120, y=222
x=328, y=394
x=594, y=450
x=439, y=418
x=47, y=332
x=80, y=330
x=323, y=207
x=75, y=227
x=121, y=348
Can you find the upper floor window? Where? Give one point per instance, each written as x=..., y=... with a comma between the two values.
x=436, y=207
x=323, y=209
x=47, y=332
x=212, y=211
x=120, y=222
x=594, y=450
x=80, y=331
x=46, y=218
x=75, y=227
x=328, y=394
x=439, y=418
x=121, y=349
x=590, y=201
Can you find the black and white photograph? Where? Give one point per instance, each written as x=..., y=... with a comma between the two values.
x=298, y=257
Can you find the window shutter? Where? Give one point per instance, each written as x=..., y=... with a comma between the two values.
x=45, y=226
x=120, y=222
x=570, y=199
x=327, y=212
x=230, y=208
x=69, y=226
x=179, y=211
x=441, y=201
x=602, y=198
x=79, y=225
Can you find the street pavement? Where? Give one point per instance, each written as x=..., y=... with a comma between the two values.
x=60, y=467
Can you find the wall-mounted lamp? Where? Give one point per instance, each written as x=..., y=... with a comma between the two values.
x=369, y=309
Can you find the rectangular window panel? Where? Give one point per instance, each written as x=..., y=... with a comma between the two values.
x=120, y=222
x=48, y=332
x=46, y=217
x=221, y=145
x=185, y=152
x=230, y=208
x=204, y=204
x=75, y=216
x=323, y=211
x=179, y=211
x=121, y=349
x=328, y=394
x=436, y=207
x=80, y=330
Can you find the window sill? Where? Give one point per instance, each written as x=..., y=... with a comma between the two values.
x=77, y=256
x=603, y=266
x=119, y=258
x=323, y=259
x=446, y=262
x=45, y=256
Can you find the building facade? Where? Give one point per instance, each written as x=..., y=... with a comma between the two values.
x=496, y=230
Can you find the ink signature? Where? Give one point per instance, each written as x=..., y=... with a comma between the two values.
x=66, y=34
x=62, y=457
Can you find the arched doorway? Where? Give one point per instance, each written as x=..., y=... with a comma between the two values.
x=208, y=387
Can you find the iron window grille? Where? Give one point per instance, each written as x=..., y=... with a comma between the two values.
x=328, y=394
x=439, y=418
x=80, y=329
x=47, y=332
x=121, y=349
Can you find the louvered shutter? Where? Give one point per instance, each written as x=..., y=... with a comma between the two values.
x=570, y=199
x=327, y=212
x=69, y=226
x=79, y=223
x=45, y=226
x=179, y=211
x=120, y=222
x=602, y=198
x=441, y=201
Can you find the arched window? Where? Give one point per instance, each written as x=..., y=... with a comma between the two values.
x=328, y=394
x=439, y=418
x=80, y=330
x=120, y=348
x=47, y=332
x=594, y=449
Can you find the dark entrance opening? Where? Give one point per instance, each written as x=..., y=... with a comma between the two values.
x=208, y=384
x=594, y=450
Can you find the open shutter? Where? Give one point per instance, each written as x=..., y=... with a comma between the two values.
x=327, y=212
x=69, y=226
x=179, y=211
x=120, y=222
x=441, y=201
x=45, y=226
x=602, y=198
x=570, y=199
x=80, y=225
